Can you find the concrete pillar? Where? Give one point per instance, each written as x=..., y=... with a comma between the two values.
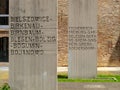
x=32, y=44
x=82, y=39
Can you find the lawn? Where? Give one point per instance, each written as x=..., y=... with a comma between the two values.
x=106, y=77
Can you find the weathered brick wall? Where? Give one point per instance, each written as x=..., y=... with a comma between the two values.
x=62, y=32
x=108, y=33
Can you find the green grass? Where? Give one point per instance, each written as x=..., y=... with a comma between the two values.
x=63, y=77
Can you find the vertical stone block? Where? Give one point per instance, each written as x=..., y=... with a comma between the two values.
x=32, y=44
x=82, y=55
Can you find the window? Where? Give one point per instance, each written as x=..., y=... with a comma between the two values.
x=4, y=13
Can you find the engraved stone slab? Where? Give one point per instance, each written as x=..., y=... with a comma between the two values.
x=82, y=39
x=32, y=44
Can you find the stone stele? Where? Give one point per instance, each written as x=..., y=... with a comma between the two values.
x=82, y=51
x=32, y=45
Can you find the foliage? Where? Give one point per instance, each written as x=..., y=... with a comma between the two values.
x=5, y=87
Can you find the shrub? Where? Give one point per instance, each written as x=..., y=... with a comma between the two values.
x=5, y=87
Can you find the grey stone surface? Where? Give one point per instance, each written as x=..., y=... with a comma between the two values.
x=88, y=86
x=82, y=51
x=32, y=44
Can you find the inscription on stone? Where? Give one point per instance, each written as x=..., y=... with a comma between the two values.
x=82, y=38
x=29, y=35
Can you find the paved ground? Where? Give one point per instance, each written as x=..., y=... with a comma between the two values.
x=114, y=69
x=88, y=86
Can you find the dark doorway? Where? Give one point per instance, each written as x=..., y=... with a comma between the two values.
x=4, y=49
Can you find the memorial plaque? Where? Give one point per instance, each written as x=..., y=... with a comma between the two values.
x=82, y=39
x=32, y=44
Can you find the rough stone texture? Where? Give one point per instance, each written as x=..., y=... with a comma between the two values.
x=108, y=33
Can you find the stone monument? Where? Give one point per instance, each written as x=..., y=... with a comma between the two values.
x=32, y=44
x=82, y=51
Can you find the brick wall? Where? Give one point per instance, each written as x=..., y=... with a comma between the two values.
x=108, y=33
x=62, y=33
